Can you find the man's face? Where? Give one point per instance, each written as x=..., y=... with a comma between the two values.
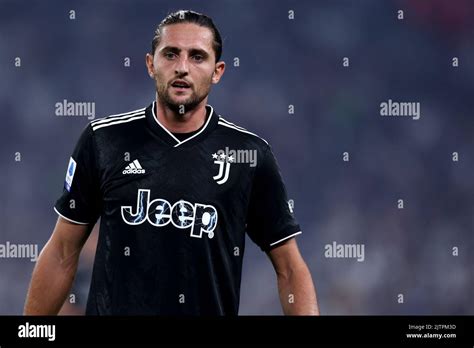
x=183, y=66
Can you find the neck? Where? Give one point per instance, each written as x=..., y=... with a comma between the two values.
x=181, y=123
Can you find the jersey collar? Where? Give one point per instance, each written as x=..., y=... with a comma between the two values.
x=158, y=129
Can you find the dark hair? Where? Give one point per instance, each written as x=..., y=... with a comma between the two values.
x=187, y=16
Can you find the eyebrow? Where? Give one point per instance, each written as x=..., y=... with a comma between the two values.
x=192, y=51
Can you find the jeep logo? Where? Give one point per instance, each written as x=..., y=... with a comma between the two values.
x=201, y=218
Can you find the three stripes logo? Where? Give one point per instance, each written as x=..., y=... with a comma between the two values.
x=113, y=120
x=134, y=168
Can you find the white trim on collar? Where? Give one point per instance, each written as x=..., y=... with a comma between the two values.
x=171, y=134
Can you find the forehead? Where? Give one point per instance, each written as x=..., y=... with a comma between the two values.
x=186, y=36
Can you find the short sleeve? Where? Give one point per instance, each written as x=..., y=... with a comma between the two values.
x=80, y=201
x=269, y=219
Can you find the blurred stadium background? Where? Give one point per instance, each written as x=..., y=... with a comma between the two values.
x=282, y=62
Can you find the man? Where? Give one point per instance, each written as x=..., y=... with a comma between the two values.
x=174, y=205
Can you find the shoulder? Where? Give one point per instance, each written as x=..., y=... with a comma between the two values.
x=116, y=120
x=241, y=133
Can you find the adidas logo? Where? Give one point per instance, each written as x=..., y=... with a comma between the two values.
x=134, y=168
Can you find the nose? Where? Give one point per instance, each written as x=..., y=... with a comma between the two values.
x=182, y=67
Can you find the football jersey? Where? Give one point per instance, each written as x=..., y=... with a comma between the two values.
x=173, y=213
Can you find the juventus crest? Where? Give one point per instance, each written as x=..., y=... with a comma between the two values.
x=224, y=163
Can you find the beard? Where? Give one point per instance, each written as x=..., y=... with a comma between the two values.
x=180, y=108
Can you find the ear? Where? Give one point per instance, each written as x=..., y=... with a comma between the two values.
x=149, y=65
x=218, y=72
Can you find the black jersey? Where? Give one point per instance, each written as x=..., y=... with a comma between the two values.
x=173, y=212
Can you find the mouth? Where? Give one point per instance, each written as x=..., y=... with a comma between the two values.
x=180, y=85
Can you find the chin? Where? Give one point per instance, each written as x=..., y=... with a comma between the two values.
x=184, y=102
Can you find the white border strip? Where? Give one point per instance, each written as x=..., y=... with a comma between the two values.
x=94, y=128
x=117, y=118
x=240, y=130
x=156, y=119
x=202, y=130
x=124, y=113
x=171, y=134
x=281, y=240
x=70, y=220
x=230, y=123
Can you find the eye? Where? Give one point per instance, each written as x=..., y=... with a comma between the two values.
x=198, y=57
x=169, y=55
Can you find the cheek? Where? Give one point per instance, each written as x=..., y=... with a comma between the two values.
x=160, y=73
x=161, y=67
x=205, y=78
